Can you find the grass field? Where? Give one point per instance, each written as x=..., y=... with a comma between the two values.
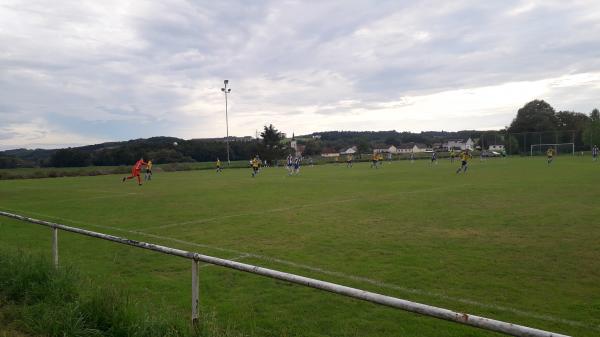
x=512, y=239
x=58, y=172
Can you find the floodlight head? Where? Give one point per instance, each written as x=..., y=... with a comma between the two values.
x=226, y=81
x=229, y=90
x=223, y=89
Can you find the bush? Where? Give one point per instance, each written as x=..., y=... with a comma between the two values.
x=25, y=279
x=50, y=302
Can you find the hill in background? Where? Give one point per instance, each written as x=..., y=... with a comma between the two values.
x=163, y=149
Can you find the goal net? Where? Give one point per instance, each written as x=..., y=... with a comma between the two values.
x=562, y=148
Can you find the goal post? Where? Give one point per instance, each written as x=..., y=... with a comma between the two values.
x=561, y=148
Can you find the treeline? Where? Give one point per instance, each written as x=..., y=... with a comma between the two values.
x=161, y=150
x=538, y=123
x=535, y=123
x=366, y=141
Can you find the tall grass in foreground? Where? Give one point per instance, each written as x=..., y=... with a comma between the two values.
x=39, y=300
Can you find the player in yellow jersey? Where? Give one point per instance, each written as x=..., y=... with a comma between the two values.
x=219, y=168
x=550, y=155
x=464, y=159
x=374, y=160
x=148, y=175
x=255, y=166
x=452, y=154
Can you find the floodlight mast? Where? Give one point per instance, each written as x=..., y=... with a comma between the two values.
x=226, y=91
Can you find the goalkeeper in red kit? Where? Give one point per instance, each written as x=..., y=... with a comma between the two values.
x=135, y=171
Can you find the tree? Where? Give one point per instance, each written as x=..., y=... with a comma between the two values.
x=363, y=146
x=595, y=115
x=13, y=162
x=573, y=123
x=270, y=136
x=271, y=147
x=164, y=156
x=70, y=158
x=535, y=116
x=511, y=145
x=392, y=140
x=312, y=148
x=591, y=133
x=487, y=138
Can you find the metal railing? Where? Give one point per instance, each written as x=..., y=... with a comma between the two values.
x=423, y=309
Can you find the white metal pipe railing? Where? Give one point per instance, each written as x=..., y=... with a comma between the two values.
x=423, y=309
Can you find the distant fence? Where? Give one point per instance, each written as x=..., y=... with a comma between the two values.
x=521, y=142
x=423, y=309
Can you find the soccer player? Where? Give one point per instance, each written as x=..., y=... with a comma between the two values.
x=374, y=161
x=290, y=164
x=349, y=160
x=433, y=158
x=255, y=166
x=464, y=158
x=412, y=157
x=595, y=153
x=550, y=155
x=148, y=175
x=219, y=169
x=135, y=171
x=452, y=156
x=259, y=162
x=297, y=165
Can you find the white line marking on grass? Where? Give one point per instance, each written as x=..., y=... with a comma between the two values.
x=102, y=191
x=33, y=202
x=243, y=255
x=50, y=188
x=97, y=197
x=289, y=208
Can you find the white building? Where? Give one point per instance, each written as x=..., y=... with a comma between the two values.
x=460, y=144
x=298, y=149
x=350, y=150
x=392, y=149
x=329, y=153
x=405, y=148
x=411, y=147
x=418, y=147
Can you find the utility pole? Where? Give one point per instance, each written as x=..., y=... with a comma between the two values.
x=226, y=91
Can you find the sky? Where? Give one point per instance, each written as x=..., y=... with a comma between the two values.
x=83, y=72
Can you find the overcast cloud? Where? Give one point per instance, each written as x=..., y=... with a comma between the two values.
x=81, y=72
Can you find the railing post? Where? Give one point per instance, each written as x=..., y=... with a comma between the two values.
x=55, y=246
x=195, y=292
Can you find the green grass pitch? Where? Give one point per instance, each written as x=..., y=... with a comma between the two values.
x=512, y=240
